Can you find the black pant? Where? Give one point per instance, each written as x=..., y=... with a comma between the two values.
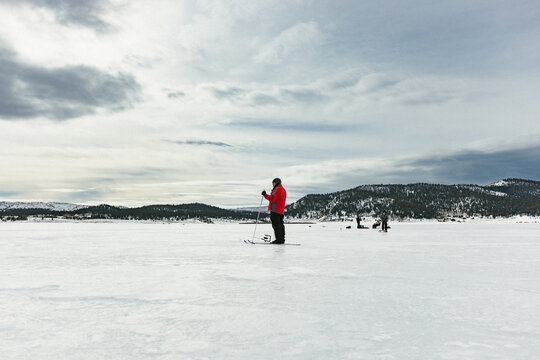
x=279, y=227
x=385, y=226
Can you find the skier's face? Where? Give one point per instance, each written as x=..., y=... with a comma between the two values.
x=273, y=184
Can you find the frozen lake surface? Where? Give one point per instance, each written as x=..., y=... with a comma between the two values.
x=196, y=291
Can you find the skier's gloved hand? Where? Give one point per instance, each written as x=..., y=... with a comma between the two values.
x=263, y=193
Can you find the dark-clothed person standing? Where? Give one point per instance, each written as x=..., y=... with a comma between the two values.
x=276, y=206
x=384, y=221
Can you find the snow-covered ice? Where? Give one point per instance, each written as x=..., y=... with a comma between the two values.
x=196, y=291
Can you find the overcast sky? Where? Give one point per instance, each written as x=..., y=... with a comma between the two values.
x=166, y=101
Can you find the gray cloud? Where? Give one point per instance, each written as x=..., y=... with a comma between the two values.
x=199, y=143
x=8, y=194
x=147, y=172
x=375, y=82
x=344, y=83
x=428, y=98
x=290, y=125
x=261, y=99
x=228, y=93
x=481, y=167
x=85, y=196
x=467, y=167
x=303, y=95
x=28, y=91
x=85, y=13
x=476, y=38
x=176, y=95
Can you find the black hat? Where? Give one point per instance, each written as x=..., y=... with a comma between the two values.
x=277, y=181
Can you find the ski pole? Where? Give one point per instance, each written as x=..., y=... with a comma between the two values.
x=257, y=221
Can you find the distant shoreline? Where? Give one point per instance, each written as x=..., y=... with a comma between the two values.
x=366, y=222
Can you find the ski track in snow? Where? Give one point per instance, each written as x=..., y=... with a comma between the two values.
x=196, y=291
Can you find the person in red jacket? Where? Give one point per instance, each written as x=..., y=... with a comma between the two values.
x=276, y=206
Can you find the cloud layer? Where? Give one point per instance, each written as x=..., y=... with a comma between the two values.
x=86, y=13
x=176, y=101
x=28, y=91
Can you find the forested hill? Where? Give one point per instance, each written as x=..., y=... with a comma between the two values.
x=504, y=198
x=150, y=212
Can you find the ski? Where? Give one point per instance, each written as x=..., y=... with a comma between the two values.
x=267, y=243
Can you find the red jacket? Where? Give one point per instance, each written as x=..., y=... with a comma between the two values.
x=277, y=199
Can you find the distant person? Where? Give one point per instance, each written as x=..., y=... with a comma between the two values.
x=276, y=206
x=384, y=221
x=358, y=222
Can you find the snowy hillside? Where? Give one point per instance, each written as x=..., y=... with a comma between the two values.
x=252, y=209
x=54, y=206
x=519, y=187
x=505, y=198
x=157, y=212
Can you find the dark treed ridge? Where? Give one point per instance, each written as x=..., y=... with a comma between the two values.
x=505, y=198
x=150, y=212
